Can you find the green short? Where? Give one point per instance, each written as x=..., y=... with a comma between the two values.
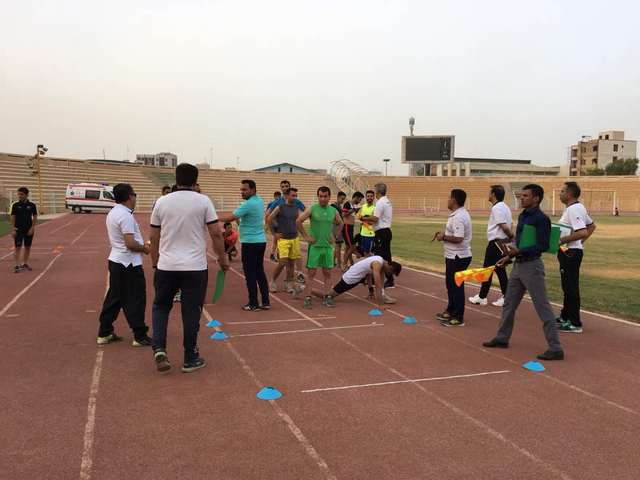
x=320, y=257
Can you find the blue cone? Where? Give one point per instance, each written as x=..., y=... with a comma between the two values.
x=409, y=320
x=534, y=366
x=214, y=323
x=219, y=336
x=269, y=393
x=375, y=312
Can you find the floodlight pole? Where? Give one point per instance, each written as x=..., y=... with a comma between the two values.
x=386, y=163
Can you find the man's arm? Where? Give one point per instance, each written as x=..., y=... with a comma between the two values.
x=134, y=246
x=34, y=220
x=338, y=220
x=299, y=223
x=590, y=229
x=155, y=245
x=230, y=217
x=272, y=215
x=218, y=245
x=13, y=226
x=457, y=226
x=581, y=234
x=507, y=231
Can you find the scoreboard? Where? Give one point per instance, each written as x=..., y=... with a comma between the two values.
x=428, y=148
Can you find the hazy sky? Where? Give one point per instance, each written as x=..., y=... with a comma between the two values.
x=312, y=81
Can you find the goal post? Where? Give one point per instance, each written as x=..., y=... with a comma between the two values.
x=594, y=200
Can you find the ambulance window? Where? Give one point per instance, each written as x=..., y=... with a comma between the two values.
x=92, y=194
x=107, y=195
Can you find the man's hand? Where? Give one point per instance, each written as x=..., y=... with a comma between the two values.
x=309, y=239
x=147, y=248
x=224, y=263
x=504, y=261
x=31, y=231
x=439, y=236
x=14, y=233
x=512, y=251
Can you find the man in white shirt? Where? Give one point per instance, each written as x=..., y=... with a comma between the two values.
x=381, y=220
x=179, y=254
x=127, y=287
x=498, y=233
x=570, y=258
x=457, y=254
x=370, y=270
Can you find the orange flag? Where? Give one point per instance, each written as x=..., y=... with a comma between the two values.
x=478, y=274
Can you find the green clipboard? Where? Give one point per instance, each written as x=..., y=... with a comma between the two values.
x=529, y=238
x=217, y=293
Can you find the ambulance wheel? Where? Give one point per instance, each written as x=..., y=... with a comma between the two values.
x=76, y=209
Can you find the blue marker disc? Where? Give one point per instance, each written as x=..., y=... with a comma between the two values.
x=534, y=366
x=219, y=336
x=269, y=393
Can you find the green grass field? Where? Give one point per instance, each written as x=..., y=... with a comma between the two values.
x=609, y=277
x=5, y=226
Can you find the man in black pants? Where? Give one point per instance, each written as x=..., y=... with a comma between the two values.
x=457, y=254
x=24, y=216
x=179, y=254
x=498, y=233
x=381, y=219
x=254, y=243
x=127, y=287
x=570, y=257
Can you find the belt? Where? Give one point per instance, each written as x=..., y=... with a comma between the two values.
x=525, y=259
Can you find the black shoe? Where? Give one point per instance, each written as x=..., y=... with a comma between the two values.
x=453, y=322
x=495, y=343
x=162, y=361
x=265, y=306
x=444, y=316
x=111, y=338
x=24, y=266
x=193, y=365
x=552, y=355
x=251, y=308
x=17, y=269
x=143, y=341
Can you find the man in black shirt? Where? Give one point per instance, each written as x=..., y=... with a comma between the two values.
x=528, y=276
x=24, y=216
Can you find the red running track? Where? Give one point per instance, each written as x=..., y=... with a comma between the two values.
x=352, y=408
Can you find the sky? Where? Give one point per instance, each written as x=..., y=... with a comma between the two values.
x=309, y=82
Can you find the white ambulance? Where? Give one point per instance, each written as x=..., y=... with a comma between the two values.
x=89, y=197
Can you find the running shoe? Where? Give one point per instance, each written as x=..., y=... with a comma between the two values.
x=251, y=308
x=388, y=300
x=499, y=302
x=328, y=301
x=307, y=303
x=178, y=297
x=24, y=266
x=551, y=355
x=144, y=341
x=265, y=306
x=288, y=286
x=560, y=321
x=108, y=339
x=444, y=316
x=453, y=322
x=162, y=361
x=193, y=365
x=300, y=277
x=17, y=269
x=569, y=328
x=476, y=300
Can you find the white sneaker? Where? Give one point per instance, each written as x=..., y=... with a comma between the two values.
x=476, y=300
x=388, y=300
x=288, y=286
x=273, y=288
x=499, y=302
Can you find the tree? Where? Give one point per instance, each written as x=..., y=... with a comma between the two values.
x=595, y=172
x=627, y=166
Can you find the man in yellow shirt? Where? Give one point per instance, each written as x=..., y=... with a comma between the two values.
x=367, y=234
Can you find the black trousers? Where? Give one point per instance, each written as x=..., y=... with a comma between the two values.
x=193, y=288
x=491, y=255
x=455, y=293
x=570, y=262
x=382, y=247
x=253, y=266
x=127, y=291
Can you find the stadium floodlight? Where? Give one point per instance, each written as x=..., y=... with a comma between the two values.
x=412, y=122
x=41, y=149
x=386, y=163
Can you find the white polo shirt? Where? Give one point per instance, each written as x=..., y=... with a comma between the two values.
x=384, y=213
x=500, y=213
x=182, y=217
x=360, y=269
x=120, y=221
x=576, y=216
x=458, y=225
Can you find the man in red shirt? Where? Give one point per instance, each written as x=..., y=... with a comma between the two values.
x=230, y=241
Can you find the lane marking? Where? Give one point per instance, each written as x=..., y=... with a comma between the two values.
x=26, y=289
x=344, y=327
x=273, y=321
x=526, y=298
x=282, y=414
x=80, y=236
x=63, y=226
x=89, y=428
x=414, y=380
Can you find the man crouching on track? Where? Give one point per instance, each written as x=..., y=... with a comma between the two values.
x=370, y=271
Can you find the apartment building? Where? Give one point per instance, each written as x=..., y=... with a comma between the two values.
x=590, y=153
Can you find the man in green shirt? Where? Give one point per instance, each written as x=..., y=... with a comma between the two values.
x=320, y=254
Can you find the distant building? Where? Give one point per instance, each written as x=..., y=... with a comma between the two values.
x=285, y=168
x=163, y=159
x=480, y=167
x=591, y=153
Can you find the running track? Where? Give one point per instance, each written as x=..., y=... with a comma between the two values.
x=352, y=408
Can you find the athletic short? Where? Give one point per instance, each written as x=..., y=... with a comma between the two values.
x=289, y=249
x=23, y=238
x=320, y=257
x=347, y=233
x=339, y=238
x=366, y=244
x=343, y=286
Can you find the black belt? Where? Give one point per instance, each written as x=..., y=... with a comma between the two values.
x=525, y=259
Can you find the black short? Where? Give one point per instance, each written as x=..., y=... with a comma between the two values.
x=343, y=286
x=23, y=238
x=347, y=234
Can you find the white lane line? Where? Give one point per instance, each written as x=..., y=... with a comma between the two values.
x=291, y=425
x=61, y=227
x=273, y=321
x=414, y=380
x=588, y=312
x=26, y=289
x=344, y=327
x=89, y=429
x=7, y=255
x=81, y=234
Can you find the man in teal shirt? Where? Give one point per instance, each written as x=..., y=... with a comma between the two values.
x=254, y=243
